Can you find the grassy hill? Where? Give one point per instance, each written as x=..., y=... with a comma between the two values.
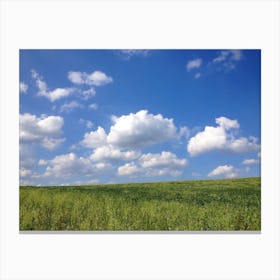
x=230, y=204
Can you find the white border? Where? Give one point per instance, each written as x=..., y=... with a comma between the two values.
x=145, y=24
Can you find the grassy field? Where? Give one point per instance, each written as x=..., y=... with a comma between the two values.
x=203, y=205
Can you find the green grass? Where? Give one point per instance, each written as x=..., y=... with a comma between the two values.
x=231, y=204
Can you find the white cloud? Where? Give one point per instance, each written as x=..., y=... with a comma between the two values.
x=95, y=138
x=227, y=123
x=87, y=123
x=135, y=131
x=184, y=132
x=52, y=143
x=110, y=153
x=162, y=164
x=23, y=87
x=251, y=161
x=23, y=172
x=27, y=157
x=88, y=93
x=76, y=77
x=197, y=75
x=165, y=159
x=42, y=162
x=70, y=165
x=128, y=169
x=221, y=138
x=140, y=130
x=127, y=54
x=52, y=95
x=85, y=182
x=27, y=162
x=93, y=106
x=56, y=94
x=70, y=106
x=96, y=78
x=228, y=59
x=43, y=130
x=151, y=165
x=227, y=171
x=194, y=64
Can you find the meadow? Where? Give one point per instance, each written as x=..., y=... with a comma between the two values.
x=198, y=205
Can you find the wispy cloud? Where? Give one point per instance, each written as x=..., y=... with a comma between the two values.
x=227, y=59
x=87, y=123
x=250, y=161
x=70, y=106
x=129, y=53
x=93, y=106
x=23, y=87
x=193, y=64
x=52, y=95
x=197, y=75
x=88, y=93
x=224, y=61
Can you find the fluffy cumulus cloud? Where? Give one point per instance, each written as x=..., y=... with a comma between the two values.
x=140, y=130
x=221, y=138
x=23, y=87
x=151, y=165
x=227, y=123
x=127, y=136
x=96, y=78
x=70, y=165
x=111, y=154
x=134, y=131
x=128, y=169
x=52, y=95
x=194, y=64
x=162, y=164
x=226, y=171
x=44, y=130
x=95, y=139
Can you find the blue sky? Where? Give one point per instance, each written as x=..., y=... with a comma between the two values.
x=107, y=116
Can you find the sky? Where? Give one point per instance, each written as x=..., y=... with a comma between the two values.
x=116, y=116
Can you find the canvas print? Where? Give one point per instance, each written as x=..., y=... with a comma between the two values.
x=140, y=140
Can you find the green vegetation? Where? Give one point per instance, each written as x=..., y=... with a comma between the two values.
x=231, y=204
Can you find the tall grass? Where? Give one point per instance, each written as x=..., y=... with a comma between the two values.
x=232, y=204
